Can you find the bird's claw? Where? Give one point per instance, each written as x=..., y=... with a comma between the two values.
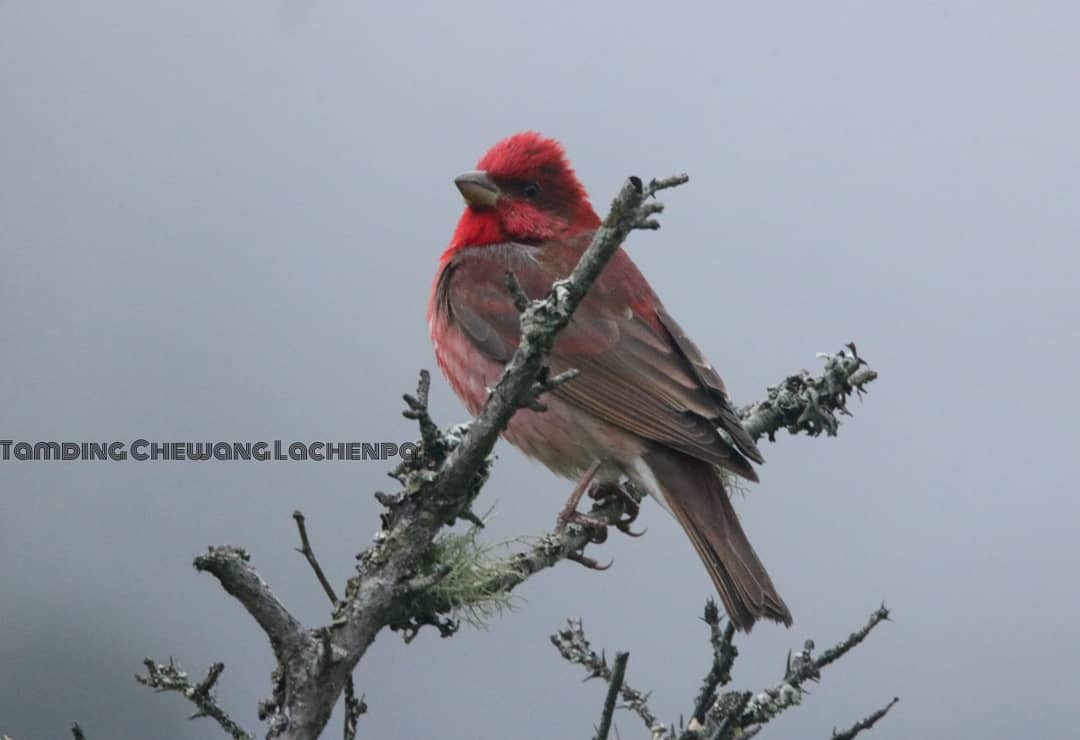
x=588, y=562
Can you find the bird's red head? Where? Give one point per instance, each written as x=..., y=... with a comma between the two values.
x=523, y=190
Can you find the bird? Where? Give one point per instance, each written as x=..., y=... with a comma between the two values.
x=646, y=405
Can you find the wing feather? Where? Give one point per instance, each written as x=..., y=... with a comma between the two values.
x=638, y=372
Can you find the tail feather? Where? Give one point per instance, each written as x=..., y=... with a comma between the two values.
x=694, y=493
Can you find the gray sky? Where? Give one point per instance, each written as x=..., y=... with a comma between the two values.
x=220, y=221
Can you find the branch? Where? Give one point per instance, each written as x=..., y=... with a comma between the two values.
x=724, y=654
x=574, y=647
x=541, y=322
x=353, y=707
x=171, y=678
x=739, y=714
x=800, y=403
x=618, y=672
x=803, y=667
x=309, y=555
x=865, y=723
x=881, y=614
x=810, y=404
x=439, y=485
x=734, y=705
x=500, y=576
x=399, y=581
x=230, y=566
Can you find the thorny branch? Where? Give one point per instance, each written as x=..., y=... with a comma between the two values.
x=724, y=654
x=400, y=581
x=803, y=667
x=881, y=614
x=172, y=678
x=735, y=713
x=843, y=369
x=810, y=404
x=438, y=487
x=574, y=647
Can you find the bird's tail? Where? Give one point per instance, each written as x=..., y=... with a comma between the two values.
x=694, y=493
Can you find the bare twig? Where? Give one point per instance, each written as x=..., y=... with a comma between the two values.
x=309, y=555
x=418, y=410
x=866, y=723
x=618, y=672
x=172, y=678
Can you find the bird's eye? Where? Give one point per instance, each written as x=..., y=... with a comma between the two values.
x=531, y=190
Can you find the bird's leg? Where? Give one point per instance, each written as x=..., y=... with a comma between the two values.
x=596, y=527
x=569, y=513
x=602, y=492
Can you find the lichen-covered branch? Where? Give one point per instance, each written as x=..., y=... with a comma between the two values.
x=800, y=668
x=574, y=647
x=866, y=723
x=810, y=404
x=415, y=573
x=438, y=487
x=881, y=614
x=735, y=713
x=724, y=654
x=801, y=403
x=172, y=678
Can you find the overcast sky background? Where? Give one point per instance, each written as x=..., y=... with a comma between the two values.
x=220, y=221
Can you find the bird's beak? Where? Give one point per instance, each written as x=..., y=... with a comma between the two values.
x=478, y=188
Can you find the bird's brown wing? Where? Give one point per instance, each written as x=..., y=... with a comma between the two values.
x=637, y=371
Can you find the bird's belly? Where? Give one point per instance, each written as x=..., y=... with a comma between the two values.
x=566, y=439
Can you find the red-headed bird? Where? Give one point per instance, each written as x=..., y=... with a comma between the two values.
x=646, y=403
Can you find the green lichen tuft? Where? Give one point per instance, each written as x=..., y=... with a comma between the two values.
x=465, y=579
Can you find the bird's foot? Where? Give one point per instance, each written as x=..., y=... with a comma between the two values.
x=604, y=492
x=595, y=527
